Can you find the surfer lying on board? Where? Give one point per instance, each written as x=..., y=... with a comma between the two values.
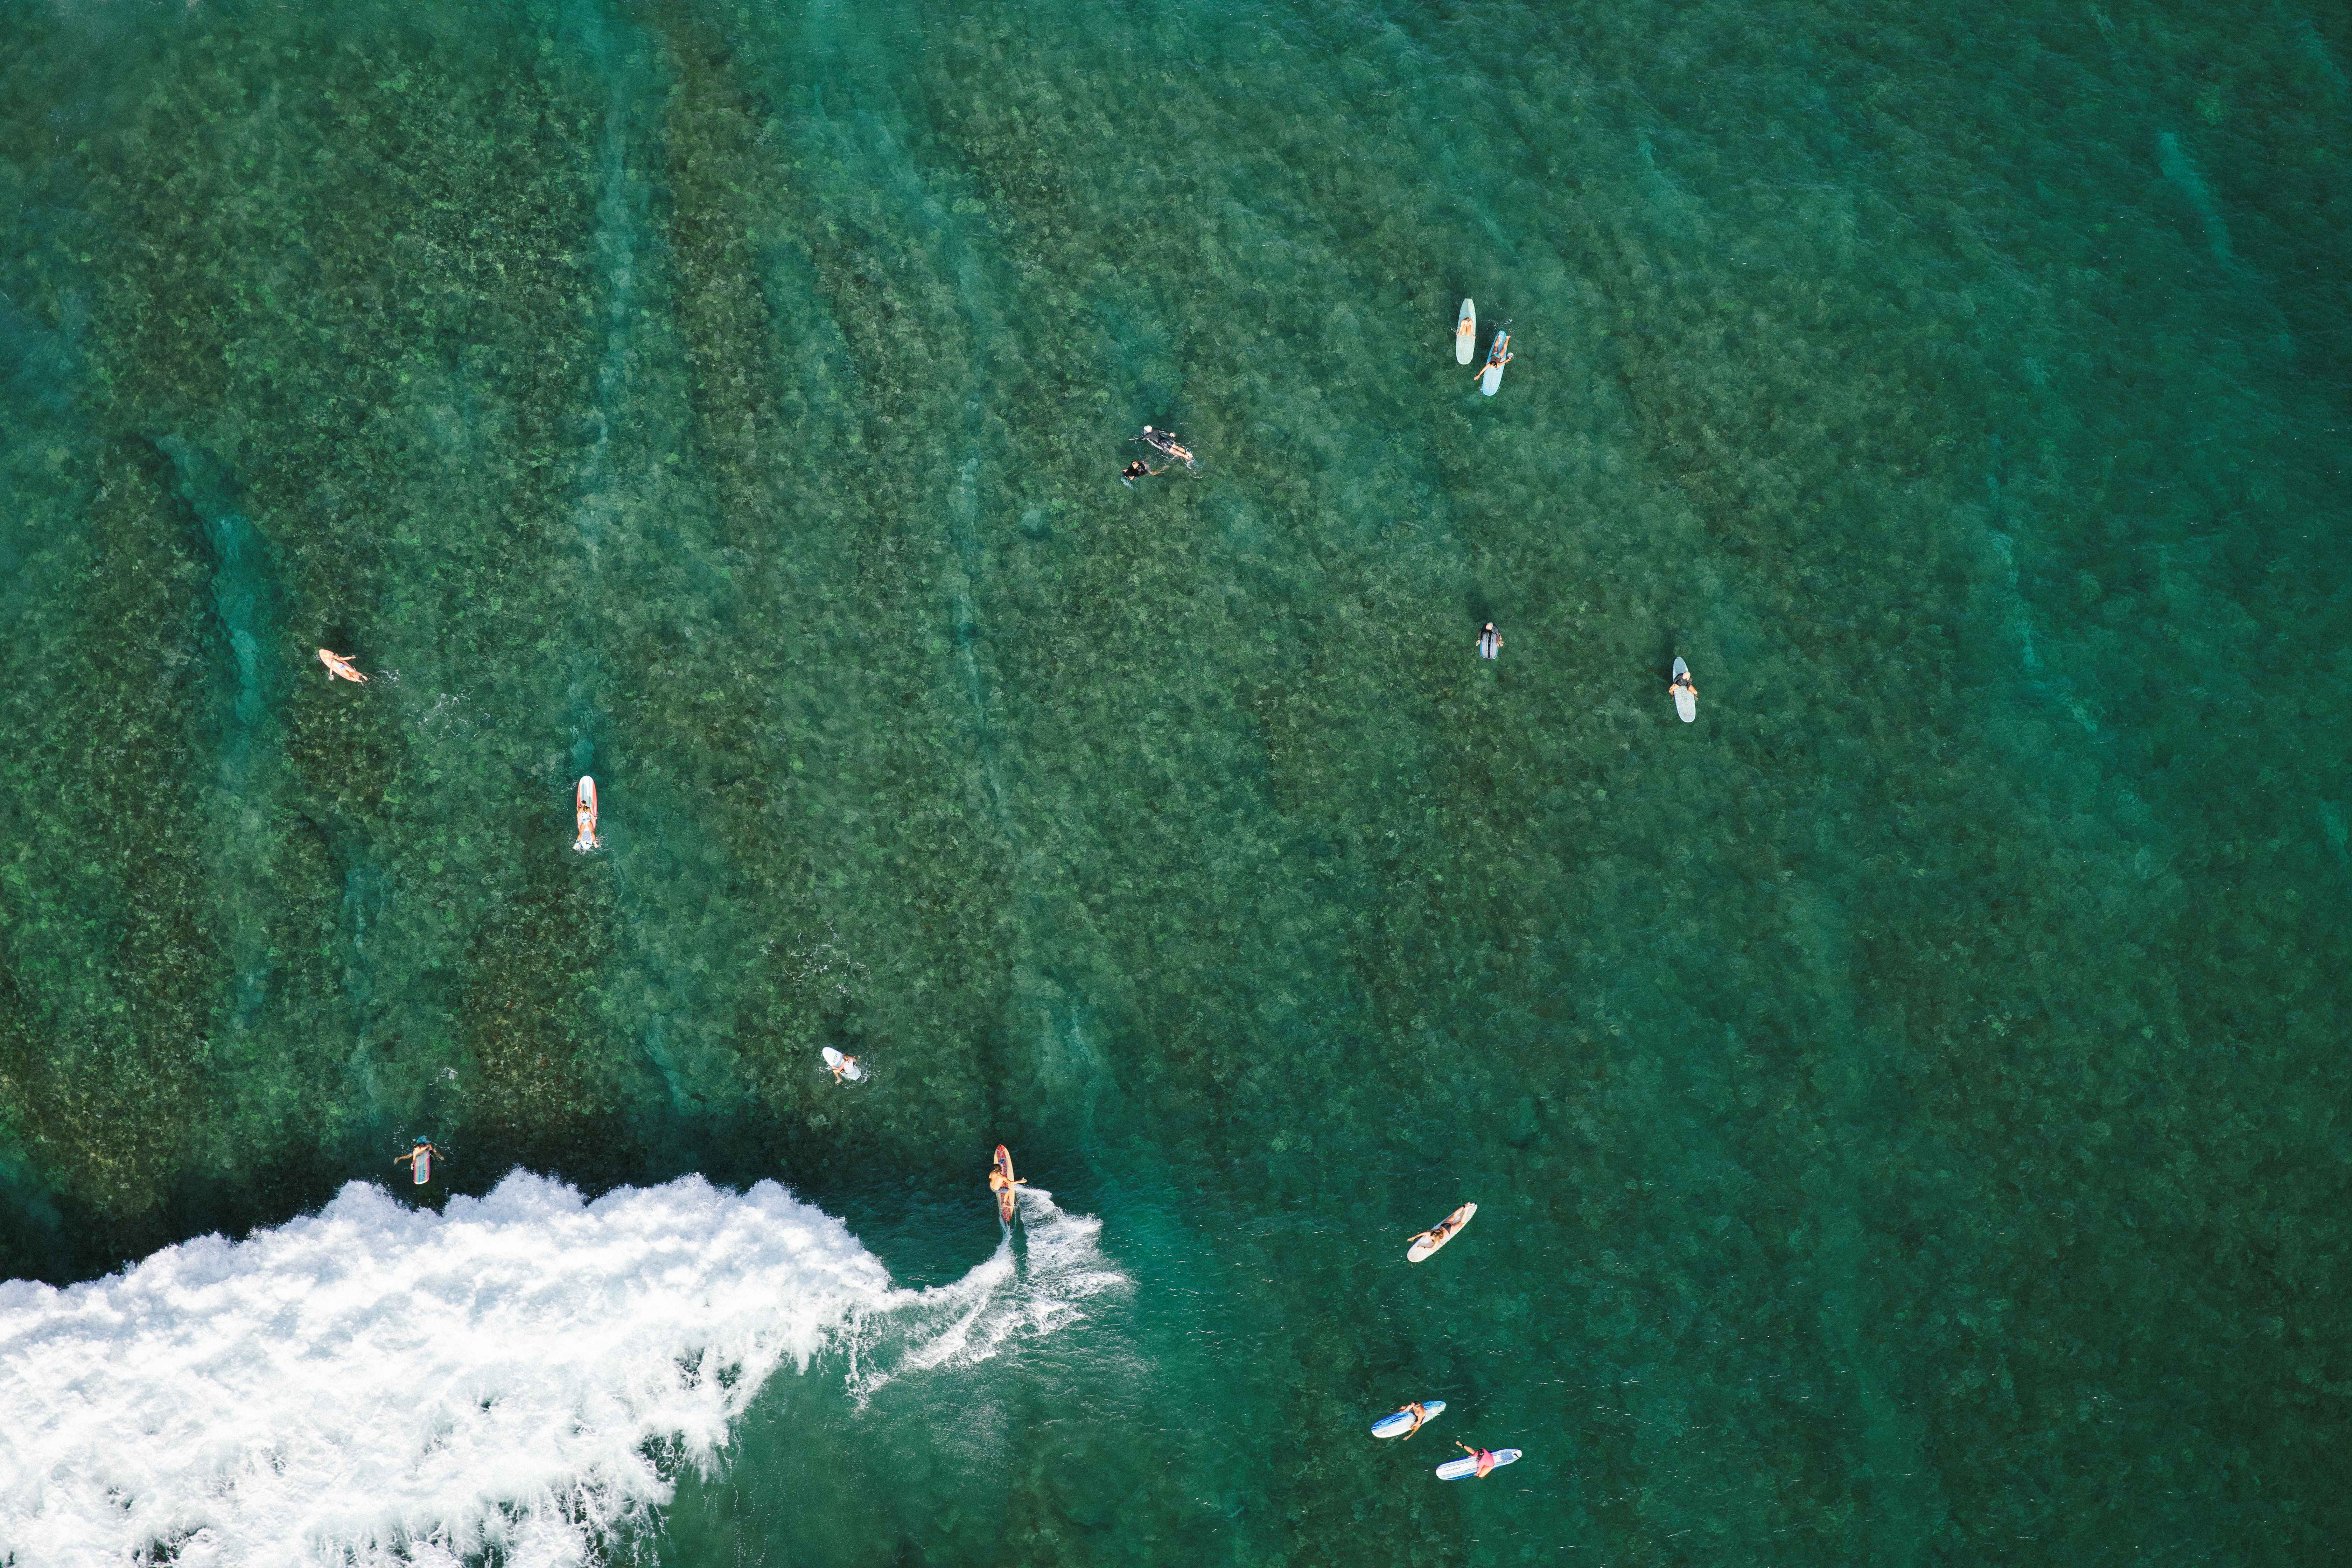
x=1418, y=1414
x=339, y=668
x=1444, y=1233
x=423, y=1151
x=1161, y=442
x=1490, y=641
x=1138, y=470
x=1486, y=1460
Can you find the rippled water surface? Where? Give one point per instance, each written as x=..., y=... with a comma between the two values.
x=1905, y=1107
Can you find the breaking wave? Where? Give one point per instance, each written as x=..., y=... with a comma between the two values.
x=516, y=1376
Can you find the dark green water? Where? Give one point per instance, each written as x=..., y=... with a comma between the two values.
x=1907, y=1107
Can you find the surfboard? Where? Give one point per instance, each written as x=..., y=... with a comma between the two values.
x=583, y=814
x=1685, y=704
x=424, y=1163
x=1004, y=1198
x=1454, y=1470
x=1492, y=377
x=1465, y=333
x=1422, y=1246
x=833, y=1059
x=1396, y=1424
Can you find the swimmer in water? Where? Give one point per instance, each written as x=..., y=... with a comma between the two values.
x=1418, y=1415
x=1161, y=442
x=1138, y=470
x=1490, y=641
x=339, y=668
x=1486, y=1460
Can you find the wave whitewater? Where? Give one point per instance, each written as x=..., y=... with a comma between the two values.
x=379, y=1384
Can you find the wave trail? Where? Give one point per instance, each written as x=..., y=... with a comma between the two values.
x=378, y=1383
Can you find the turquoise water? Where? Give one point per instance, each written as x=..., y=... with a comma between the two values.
x=1906, y=1106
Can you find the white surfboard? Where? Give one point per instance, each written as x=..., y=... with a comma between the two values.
x=1454, y=1470
x=1465, y=333
x=1685, y=704
x=1492, y=377
x=1429, y=1241
x=583, y=816
x=833, y=1059
x=424, y=1164
x=1396, y=1424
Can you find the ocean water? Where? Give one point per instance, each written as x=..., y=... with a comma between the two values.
x=1907, y=1107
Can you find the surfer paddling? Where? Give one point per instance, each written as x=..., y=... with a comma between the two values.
x=1418, y=1414
x=583, y=816
x=339, y=668
x=1486, y=1460
x=1490, y=641
x=1161, y=442
x=419, y=1160
x=1499, y=355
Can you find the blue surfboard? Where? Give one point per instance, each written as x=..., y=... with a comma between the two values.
x=1398, y=1422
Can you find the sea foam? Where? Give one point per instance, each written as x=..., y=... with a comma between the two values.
x=380, y=1384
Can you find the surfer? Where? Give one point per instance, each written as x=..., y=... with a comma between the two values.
x=1499, y=355
x=1445, y=1231
x=1490, y=641
x=1001, y=1184
x=843, y=1065
x=1138, y=470
x=421, y=1159
x=1681, y=684
x=1486, y=1460
x=338, y=667
x=1418, y=1415
x=583, y=816
x=1161, y=442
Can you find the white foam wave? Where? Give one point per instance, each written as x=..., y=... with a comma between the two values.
x=379, y=1384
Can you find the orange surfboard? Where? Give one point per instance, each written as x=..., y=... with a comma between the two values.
x=1004, y=1194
